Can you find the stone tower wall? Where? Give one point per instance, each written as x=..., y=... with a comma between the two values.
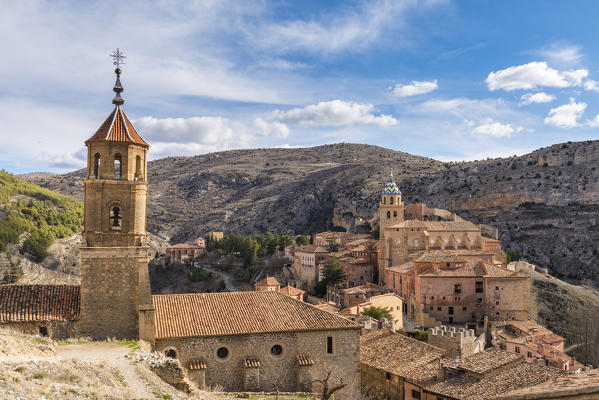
x=114, y=288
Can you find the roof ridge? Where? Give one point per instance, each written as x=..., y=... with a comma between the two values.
x=123, y=116
x=114, y=112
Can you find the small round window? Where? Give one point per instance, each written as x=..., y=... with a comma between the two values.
x=171, y=353
x=222, y=353
x=276, y=350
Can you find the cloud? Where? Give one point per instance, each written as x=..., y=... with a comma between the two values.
x=562, y=53
x=566, y=116
x=591, y=85
x=272, y=128
x=332, y=113
x=532, y=75
x=496, y=129
x=540, y=97
x=202, y=130
x=68, y=161
x=593, y=123
x=349, y=28
x=416, y=87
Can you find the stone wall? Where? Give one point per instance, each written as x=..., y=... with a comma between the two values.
x=231, y=372
x=458, y=343
x=114, y=286
x=54, y=329
x=380, y=385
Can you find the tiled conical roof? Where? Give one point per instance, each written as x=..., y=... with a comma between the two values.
x=118, y=128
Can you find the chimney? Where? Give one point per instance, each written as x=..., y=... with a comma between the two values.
x=440, y=371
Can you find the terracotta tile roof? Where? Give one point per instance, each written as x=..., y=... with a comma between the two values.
x=196, y=365
x=529, y=327
x=500, y=272
x=486, y=361
x=411, y=223
x=440, y=256
x=292, y=291
x=366, y=288
x=584, y=383
x=328, y=306
x=399, y=355
x=184, y=246
x=311, y=249
x=405, y=268
x=34, y=303
x=117, y=127
x=304, y=360
x=467, y=387
x=467, y=270
x=251, y=362
x=239, y=313
x=451, y=226
x=268, y=281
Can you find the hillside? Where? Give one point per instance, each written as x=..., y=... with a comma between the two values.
x=544, y=203
x=32, y=218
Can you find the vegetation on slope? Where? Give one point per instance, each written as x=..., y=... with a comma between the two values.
x=43, y=214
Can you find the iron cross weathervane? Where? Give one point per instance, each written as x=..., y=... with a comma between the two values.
x=118, y=57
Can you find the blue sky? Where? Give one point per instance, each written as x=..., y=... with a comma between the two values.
x=453, y=80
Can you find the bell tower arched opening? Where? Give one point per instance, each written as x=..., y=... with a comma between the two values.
x=118, y=167
x=96, y=166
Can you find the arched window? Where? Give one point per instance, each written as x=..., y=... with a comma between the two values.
x=97, y=166
x=388, y=214
x=115, y=218
x=394, y=214
x=390, y=200
x=384, y=200
x=138, y=174
x=118, y=166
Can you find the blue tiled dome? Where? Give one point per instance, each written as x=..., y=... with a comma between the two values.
x=391, y=188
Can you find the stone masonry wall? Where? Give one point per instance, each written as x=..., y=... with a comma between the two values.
x=230, y=373
x=110, y=291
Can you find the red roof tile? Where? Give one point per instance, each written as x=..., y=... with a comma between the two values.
x=118, y=128
x=239, y=313
x=34, y=303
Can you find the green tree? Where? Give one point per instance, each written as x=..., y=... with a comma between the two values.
x=333, y=246
x=332, y=274
x=378, y=313
x=302, y=240
x=512, y=255
x=284, y=241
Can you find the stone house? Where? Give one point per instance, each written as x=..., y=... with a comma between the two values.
x=390, y=301
x=452, y=288
x=185, y=251
x=308, y=263
x=293, y=292
x=582, y=386
x=250, y=340
x=345, y=297
x=45, y=310
x=535, y=343
x=269, y=283
x=396, y=367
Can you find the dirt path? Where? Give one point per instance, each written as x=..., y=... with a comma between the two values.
x=228, y=281
x=114, y=356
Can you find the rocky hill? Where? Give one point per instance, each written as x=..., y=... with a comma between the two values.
x=545, y=203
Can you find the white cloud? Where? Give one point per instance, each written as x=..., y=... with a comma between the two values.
x=414, y=88
x=332, y=113
x=540, y=97
x=272, y=128
x=566, y=116
x=68, y=161
x=593, y=123
x=203, y=130
x=349, y=28
x=496, y=129
x=591, y=85
x=532, y=75
x=561, y=53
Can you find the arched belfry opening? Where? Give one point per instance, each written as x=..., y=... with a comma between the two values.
x=138, y=173
x=96, y=166
x=118, y=166
x=116, y=218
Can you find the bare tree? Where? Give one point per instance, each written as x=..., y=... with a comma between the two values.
x=275, y=377
x=328, y=388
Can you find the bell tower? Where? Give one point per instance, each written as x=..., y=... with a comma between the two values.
x=391, y=212
x=116, y=298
